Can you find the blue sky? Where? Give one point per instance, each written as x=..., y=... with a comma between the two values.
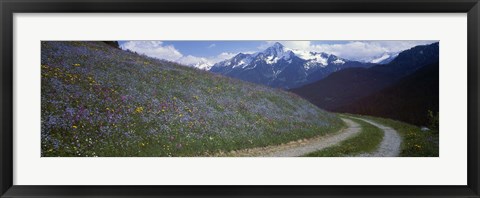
x=210, y=52
x=213, y=48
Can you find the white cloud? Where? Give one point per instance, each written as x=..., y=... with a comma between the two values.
x=189, y=60
x=222, y=56
x=353, y=50
x=211, y=45
x=154, y=49
x=192, y=60
x=198, y=62
x=366, y=50
x=360, y=51
x=204, y=62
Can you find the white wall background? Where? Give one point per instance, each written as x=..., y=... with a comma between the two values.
x=448, y=169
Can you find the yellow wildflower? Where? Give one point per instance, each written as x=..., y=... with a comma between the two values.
x=139, y=109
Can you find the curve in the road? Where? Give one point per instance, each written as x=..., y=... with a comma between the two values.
x=317, y=144
x=390, y=145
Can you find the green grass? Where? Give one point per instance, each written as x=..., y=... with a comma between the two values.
x=366, y=141
x=415, y=142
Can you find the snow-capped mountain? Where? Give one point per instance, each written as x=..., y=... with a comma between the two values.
x=203, y=65
x=278, y=66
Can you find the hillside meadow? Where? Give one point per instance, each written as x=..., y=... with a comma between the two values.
x=98, y=100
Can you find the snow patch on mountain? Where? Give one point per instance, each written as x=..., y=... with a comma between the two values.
x=277, y=52
x=312, y=57
x=380, y=59
x=339, y=61
x=244, y=62
x=385, y=58
x=202, y=65
x=271, y=60
x=278, y=66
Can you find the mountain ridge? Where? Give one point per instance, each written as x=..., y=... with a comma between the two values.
x=409, y=100
x=278, y=66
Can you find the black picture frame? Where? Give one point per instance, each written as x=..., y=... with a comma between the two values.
x=9, y=7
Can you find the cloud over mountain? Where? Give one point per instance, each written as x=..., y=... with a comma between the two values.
x=154, y=49
x=279, y=66
x=364, y=51
x=157, y=49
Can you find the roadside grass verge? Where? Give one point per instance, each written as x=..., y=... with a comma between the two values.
x=415, y=142
x=366, y=141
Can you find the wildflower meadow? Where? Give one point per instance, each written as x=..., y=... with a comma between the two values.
x=98, y=100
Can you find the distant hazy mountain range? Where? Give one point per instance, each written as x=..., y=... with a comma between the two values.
x=404, y=89
x=280, y=67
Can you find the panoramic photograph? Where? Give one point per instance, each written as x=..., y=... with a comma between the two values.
x=240, y=98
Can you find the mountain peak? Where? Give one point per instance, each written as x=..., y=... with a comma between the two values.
x=278, y=66
x=277, y=45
